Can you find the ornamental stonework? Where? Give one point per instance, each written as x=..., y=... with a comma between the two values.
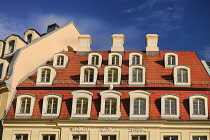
x=108, y=129
x=78, y=129
x=138, y=130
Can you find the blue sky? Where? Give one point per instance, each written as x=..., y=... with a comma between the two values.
x=182, y=25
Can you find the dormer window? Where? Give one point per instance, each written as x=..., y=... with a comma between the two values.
x=3, y=68
x=45, y=75
x=11, y=46
x=115, y=59
x=136, y=75
x=60, y=60
x=135, y=58
x=88, y=75
x=171, y=60
x=29, y=38
x=95, y=59
x=181, y=75
x=112, y=75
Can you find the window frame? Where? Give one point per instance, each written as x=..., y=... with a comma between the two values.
x=77, y=95
x=138, y=134
x=108, y=134
x=49, y=133
x=99, y=60
x=199, y=135
x=198, y=116
x=82, y=74
x=21, y=132
x=139, y=94
x=115, y=54
x=106, y=75
x=39, y=75
x=170, y=134
x=105, y=95
x=5, y=64
x=175, y=72
x=131, y=58
x=166, y=55
x=65, y=60
x=18, y=105
x=45, y=103
x=130, y=81
x=170, y=116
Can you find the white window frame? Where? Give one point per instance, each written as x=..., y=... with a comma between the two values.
x=49, y=133
x=106, y=75
x=45, y=103
x=136, y=94
x=95, y=54
x=170, y=134
x=175, y=71
x=130, y=81
x=198, y=116
x=39, y=75
x=4, y=68
x=81, y=94
x=138, y=134
x=108, y=134
x=82, y=74
x=110, y=58
x=18, y=105
x=19, y=132
x=135, y=54
x=166, y=55
x=170, y=116
x=65, y=61
x=110, y=94
x=199, y=135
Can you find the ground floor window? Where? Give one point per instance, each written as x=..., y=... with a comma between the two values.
x=139, y=137
x=199, y=137
x=79, y=137
x=48, y=137
x=170, y=138
x=109, y=137
x=21, y=137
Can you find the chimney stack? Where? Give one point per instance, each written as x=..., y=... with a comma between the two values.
x=84, y=43
x=152, y=41
x=52, y=27
x=117, y=43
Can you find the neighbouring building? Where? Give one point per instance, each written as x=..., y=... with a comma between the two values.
x=66, y=91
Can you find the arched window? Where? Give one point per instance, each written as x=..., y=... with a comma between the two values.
x=29, y=38
x=112, y=75
x=139, y=106
x=136, y=75
x=171, y=60
x=25, y=105
x=135, y=60
x=89, y=75
x=95, y=60
x=82, y=106
x=170, y=106
x=198, y=106
x=115, y=60
x=60, y=60
x=45, y=76
x=11, y=46
x=52, y=104
x=110, y=106
x=182, y=76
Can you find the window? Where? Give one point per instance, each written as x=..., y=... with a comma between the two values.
x=112, y=75
x=139, y=105
x=3, y=68
x=29, y=38
x=171, y=60
x=109, y=137
x=88, y=75
x=170, y=138
x=21, y=137
x=135, y=58
x=60, y=60
x=137, y=75
x=25, y=105
x=79, y=137
x=11, y=46
x=51, y=105
x=170, y=106
x=198, y=104
x=199, y=137
x=95, y=59
x=110, y=107
x=181, y=75
x=81, y=105
x=139, y=137
x=45, y=75
x=48, y=137
x=115, y=59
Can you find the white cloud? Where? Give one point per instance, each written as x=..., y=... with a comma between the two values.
x=206, y=52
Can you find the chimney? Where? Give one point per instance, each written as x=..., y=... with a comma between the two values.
x=117, y=43
x=52, y=27
x=152, y=41
x=84, y=43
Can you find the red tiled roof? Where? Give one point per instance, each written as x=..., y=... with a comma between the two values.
x=155, y=71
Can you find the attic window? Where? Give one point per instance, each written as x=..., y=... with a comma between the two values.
x=170, y=59
x=11, y=47
x=95, y=59
x=29, y=38
x=60, y=60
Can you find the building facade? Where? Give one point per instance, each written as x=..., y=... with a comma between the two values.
x=80, y=94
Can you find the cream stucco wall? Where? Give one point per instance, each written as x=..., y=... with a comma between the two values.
x=30, y=57
x=3, y=103
x=155, y=130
